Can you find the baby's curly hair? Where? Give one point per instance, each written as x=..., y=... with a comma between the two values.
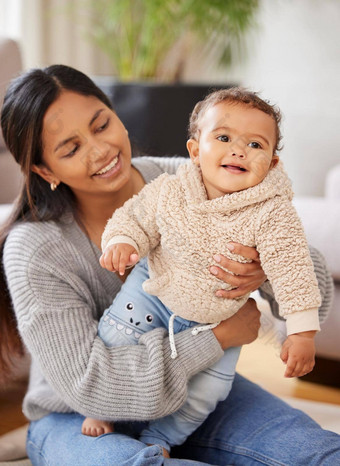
x=235, y=95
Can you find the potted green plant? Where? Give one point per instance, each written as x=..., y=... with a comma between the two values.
x=148, y=43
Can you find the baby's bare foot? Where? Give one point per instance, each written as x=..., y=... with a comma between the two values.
x=165, y=453
x=95, y=427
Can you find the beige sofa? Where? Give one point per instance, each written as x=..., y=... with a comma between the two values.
x=321, y=219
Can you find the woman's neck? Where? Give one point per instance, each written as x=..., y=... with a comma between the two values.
x=94, y=212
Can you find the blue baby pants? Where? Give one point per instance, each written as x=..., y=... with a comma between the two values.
x=134, y=312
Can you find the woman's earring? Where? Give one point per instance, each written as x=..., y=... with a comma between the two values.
x=53, y=186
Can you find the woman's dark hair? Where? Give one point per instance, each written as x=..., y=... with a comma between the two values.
x=25, y=104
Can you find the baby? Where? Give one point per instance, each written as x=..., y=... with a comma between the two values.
x=233, y=189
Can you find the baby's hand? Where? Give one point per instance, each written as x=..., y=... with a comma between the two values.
x=116, y=257
x=298, y=352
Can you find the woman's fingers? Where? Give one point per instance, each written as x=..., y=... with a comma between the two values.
x=237, y=292
x=243, y=277
x=237, y=268
x=233, y=280
x=241, y=284
x=244, y=251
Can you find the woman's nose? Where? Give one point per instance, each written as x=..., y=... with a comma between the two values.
x=98, y=149
x=97, y=154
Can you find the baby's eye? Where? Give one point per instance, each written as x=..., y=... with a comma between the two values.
x=129, y=307
x=223, y=138
x=149, y=318
x=254, y=145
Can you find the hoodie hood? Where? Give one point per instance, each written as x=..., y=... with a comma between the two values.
x=276, y=183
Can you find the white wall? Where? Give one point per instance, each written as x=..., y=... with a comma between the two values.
x=10, y=18
x=294, y=60
x=55, y=31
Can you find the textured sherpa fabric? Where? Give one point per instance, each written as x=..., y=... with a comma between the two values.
x=172, y=220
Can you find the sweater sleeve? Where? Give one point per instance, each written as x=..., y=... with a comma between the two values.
x=168, y=164
x=284, y=255
x=136, y=220
x=55, y=313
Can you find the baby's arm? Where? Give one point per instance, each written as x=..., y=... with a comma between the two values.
x=285, y=259
x=287, y=263
x=298, y=353
x=135, y=223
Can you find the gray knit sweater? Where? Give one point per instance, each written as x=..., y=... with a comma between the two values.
x=59, y=292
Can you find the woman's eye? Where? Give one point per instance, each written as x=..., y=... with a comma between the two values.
x=149, y=318
x=254, y=145
x=104, y=126
x=223, y=138
x=73, y=151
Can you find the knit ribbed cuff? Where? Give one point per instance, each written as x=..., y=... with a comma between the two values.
x=302, y=321
x=121, y=239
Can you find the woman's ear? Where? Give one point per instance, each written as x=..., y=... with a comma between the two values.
x=275, y=161
x=45, y=173
x=193, y=149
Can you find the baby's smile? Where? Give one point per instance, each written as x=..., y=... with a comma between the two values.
x=235, y=169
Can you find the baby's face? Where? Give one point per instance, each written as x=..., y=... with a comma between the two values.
x=235, y=148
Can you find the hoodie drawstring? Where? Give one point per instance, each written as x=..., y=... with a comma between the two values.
x=202, y=328
x=195, y=331
x=172, y=336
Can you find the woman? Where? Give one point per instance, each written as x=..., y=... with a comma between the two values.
x=76, y=157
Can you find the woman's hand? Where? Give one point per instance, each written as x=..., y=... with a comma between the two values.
x=248, y=277
x=240, y=329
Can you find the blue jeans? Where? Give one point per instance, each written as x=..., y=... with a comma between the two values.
x=134, y=312
x=251, y=427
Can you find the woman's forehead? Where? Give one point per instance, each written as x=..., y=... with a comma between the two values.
x=72, y=107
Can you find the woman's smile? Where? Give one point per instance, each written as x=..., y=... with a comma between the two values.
x=109, y=169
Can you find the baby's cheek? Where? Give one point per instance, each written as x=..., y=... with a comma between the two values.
x=260, y=166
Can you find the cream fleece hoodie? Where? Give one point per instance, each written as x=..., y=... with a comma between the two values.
x=172, y=220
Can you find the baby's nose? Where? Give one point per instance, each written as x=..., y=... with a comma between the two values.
x=240, y=155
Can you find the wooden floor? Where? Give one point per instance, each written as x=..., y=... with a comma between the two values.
x=259, y=362
x=11, y=415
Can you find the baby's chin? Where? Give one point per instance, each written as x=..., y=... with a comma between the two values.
x=240, y=186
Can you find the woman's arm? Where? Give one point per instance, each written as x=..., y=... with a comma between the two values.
x=240, y=329
x=49, y=282
x=168, y=164
x=56, y=311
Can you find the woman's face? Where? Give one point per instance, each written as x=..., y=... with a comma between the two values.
x=85, y=146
